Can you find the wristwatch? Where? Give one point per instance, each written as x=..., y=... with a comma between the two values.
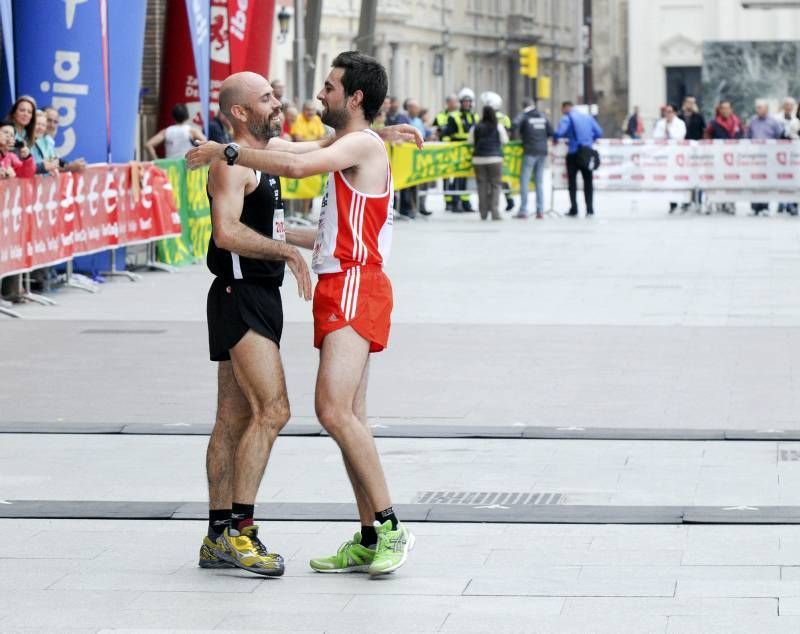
x=231, y=153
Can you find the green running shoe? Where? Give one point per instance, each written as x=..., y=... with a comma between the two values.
x=208, y=558
x=351, y=557
x=393, y=547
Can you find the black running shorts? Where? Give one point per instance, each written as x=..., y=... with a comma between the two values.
x=234, y=307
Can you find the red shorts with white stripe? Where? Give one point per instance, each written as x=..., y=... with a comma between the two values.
x=360, y=297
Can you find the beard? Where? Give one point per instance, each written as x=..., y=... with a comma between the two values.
x=337, y=119
x=265, y=128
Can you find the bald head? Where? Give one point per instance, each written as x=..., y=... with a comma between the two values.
x=241, y=89
x=249, y=103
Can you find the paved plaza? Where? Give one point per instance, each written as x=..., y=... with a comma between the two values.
x=590, y=425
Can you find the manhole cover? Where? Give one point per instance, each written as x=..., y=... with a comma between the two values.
x=486, y=497
x=790, y=455
x=121, y=331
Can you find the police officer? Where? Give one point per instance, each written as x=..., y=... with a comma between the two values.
x=495, y=101
x=458, y=126
x=440, y=123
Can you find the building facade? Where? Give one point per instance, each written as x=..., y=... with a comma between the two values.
x=435, y=47
x=609, y=64
x=667, y=38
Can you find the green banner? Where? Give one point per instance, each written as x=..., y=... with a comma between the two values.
x=176, y=251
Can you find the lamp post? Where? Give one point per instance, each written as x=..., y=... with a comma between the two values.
x=299, y=53
x=283, y=24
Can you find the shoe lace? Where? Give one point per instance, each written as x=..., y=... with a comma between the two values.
x=346, y=546
x=258, y=546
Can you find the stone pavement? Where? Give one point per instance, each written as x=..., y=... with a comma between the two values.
x=558, y=414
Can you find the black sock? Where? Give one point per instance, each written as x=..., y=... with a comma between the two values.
x=218, y=521
x=368, y=536
x=387, y=514
x=242, y=515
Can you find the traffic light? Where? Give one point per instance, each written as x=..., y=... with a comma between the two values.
x=529, y=61
x=543, y=87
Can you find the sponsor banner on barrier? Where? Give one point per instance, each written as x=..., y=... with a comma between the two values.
x=412, y=166
x=682, y=165
x=46, y=220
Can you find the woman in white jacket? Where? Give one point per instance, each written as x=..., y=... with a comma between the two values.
x=670, y=127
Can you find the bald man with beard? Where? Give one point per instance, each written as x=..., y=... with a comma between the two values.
x=248, y=254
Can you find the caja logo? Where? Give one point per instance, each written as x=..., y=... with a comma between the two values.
x=728, y=158
x=680, y=159
x=782, y=158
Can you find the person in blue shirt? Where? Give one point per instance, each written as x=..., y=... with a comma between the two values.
x=581, y=130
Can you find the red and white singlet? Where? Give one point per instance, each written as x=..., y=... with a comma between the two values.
x=352, y=245
x=355, y=229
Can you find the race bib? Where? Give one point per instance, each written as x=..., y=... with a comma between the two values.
x=278, y=225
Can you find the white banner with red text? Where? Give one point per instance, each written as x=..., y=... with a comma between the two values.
x=50, y=219
x=632, y=165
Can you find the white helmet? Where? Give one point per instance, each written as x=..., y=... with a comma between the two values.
x=466, y=93
x=492, y=99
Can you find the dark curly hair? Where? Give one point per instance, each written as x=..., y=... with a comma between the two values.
x=364, y=73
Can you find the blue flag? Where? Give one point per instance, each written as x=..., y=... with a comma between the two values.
x=198, y=13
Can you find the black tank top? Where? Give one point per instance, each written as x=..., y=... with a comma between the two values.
x=259, y=213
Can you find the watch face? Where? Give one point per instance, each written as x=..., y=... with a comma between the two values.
x=230, y=151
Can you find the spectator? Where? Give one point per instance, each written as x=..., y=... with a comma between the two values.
x=695, y=127
x=410, y=201
x=44, y=155
x=427, y=124
x=411, y=106
x=11, y=165
x=694, y=120
x=534, y=130
x=762, y=126
x=278, y=89
x=788, y=118
x=289, y=117
x=308, y=125
x=219, y=128
x=52, y=120
x=177, y=138
x=488, y=138
x=634, y=128
x=671, y=127
x=393, y=113
x=726, y=124
x=581, y=130
x=22, y=117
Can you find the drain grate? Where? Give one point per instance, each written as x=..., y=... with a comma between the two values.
x=121, y=331
x=486, y=497
x=790, y=455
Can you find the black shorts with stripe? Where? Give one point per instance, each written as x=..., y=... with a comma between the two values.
x=236, y=306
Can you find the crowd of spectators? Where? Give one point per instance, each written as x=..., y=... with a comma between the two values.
x=27, y=148
x=690, y=124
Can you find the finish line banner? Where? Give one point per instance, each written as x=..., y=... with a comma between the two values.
x=49, y=219
x=628, y=165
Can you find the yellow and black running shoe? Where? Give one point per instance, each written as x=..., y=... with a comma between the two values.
x=208, y=558
x=245, y=550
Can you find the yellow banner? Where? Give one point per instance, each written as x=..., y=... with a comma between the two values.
x=412, y=166
x=311, y=187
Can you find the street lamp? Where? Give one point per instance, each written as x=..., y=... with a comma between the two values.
x=283, y=22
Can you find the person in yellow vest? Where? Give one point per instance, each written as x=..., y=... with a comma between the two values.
x=459, y=123
x=440, y=125
x=495, y=101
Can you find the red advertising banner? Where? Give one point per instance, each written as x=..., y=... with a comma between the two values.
x=741, y=164
x=46, y=220
x=240, y=38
